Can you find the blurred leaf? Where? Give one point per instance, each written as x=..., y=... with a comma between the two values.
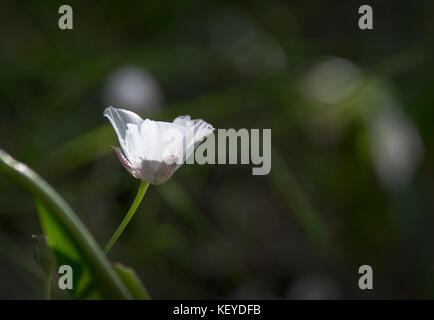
x=284, y=183
x=71, y=240
x=132, y=282
x=67, y=252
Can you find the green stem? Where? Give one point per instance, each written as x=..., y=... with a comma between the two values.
x=113, y=288
x=142, y=190
x=48, y=285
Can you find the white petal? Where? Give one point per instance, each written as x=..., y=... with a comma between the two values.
x=197, y=131
x=164, y=173
x=201, y=130
x=157, y=140
x=182, y=120
x=172, y=140
x=150, y=135
x=126, y=163
x=154, y=150
x=134, y=145
x=120, y=118
x=156, y=172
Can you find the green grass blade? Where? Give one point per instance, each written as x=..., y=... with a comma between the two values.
x=132, y=282
x=304, y=214
x=60, y=212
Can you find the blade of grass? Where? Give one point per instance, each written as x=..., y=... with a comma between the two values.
x=132, y=281
x=33, y=183
x=298, y=204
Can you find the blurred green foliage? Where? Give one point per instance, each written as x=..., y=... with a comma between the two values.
x=333, y=200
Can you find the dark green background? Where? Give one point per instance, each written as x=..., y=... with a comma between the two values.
x=217, y=231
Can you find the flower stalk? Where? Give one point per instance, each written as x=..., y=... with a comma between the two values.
x=47, y=291
x=45, y=257
x=142, y=190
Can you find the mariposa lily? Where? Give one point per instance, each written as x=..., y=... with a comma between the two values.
x=153, y=150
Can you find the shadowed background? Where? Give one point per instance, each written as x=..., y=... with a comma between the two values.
x=350, y=111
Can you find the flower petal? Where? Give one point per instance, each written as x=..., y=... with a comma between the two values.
x=182, y=120
x=156, y=140
x=164, y=173
x=120, y=118
x=157, y=172
x=126, y=163
x=201, y=130
x=153, y=150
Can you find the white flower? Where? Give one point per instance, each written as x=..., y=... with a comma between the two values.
x=153, y=150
